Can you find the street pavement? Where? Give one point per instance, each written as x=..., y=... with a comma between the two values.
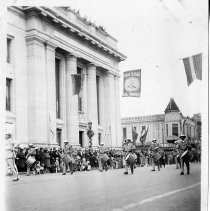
x=103, y=191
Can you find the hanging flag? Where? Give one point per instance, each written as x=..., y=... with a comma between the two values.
x=107, y=133
x=77, y=83
x=143, y=136
x=132, y=83
x=81, y=85
x=134, y=135
x=52, y=134
x=193, y=68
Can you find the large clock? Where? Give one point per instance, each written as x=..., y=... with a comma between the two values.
x=132, y=84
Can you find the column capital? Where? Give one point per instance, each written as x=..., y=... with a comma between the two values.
x=50, y=45
x=71, y=57
x=71, y=67
x=113, y=74
x=91, y=65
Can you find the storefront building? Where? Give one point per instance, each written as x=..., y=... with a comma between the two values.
x=166, y=128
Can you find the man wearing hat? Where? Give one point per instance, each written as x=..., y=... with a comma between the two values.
x=153, y=150
x=128, y=147
x=67, y=149
x=30, y=155
x=102, y=163
x=183, y=146
x=10, y=155
x=177, y=155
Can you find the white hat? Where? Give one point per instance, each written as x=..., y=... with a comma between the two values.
x=101, y=143
x=154, y=139
x=66, y=141
x=182, y=135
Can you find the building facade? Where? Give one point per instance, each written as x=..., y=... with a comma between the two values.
x=166, y=128
x=62, y=72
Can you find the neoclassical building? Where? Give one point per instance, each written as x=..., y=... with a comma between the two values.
x=62, y=71
x=165, y=127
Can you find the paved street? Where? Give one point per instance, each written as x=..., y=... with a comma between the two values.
x=144, y=190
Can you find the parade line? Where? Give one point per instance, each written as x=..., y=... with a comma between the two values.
x=133, y=205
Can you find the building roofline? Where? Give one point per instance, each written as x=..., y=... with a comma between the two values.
x=82, y=33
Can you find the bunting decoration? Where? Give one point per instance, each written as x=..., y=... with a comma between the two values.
x=132, y=83
x=193, y=67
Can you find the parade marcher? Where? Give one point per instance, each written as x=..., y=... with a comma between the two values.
x=129, y=156
x=155, y=154
x=163, y=156
x=67, y=148
x=177, y=155
x=30, y=158
x=10, y=155
x=102, y=158
x=184, y=150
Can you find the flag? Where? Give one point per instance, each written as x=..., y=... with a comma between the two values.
x=81, y=86
x=134, y=135
x=143, y=136
x=107, y=133
x=52, y=134
x=132, y=83
x=193, y=68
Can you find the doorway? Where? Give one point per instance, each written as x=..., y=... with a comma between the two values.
x=81, y=142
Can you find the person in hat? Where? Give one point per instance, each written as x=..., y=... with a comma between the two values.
x=30, y=158
x=184, y=147
x=128, y=148
x=155, y=156
x=177, y=155
x=66, y=151
x=101, y=155
x=10, y=155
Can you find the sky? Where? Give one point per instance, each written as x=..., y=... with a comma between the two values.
x=154, y=35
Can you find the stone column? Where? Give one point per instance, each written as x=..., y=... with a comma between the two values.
x=109, y=107
x=101, y=100
x=37, y=94
x=51, y=92
x=92, y=101
x=117, y=112
x=72, y=121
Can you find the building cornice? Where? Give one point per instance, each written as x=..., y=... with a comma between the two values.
x=67, y=24
x=148, y=118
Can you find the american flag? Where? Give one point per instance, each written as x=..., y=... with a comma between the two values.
x=52, y=134
x=107, y=133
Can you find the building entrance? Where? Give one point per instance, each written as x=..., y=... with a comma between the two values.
x=81, y=141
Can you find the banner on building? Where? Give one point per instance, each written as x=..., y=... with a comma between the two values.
x=193, y=67
x=132, y=83
x=143, y=136
x=52, y=134
x=134, y=135
x=107, y=133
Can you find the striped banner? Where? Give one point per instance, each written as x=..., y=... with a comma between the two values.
x=193, y=67
x=108, y=132
x=52, y=134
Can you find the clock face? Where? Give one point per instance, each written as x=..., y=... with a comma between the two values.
x=132, y=84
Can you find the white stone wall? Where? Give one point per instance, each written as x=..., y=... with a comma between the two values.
x=17, y=71
x=37, y=42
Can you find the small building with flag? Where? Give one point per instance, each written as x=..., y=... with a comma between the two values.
x=166, y=127
x=62, y=71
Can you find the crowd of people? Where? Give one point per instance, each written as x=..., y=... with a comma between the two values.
x=39, y=160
